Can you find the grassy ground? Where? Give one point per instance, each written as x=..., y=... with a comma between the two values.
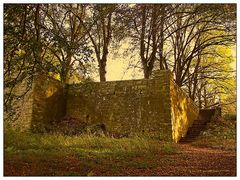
x=213, y=153
x=90, y=151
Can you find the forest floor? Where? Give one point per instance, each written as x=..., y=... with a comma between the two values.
x=212, y=154
x=189, y=161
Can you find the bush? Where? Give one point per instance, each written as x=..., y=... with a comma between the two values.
x=73, y=126
x=69, y=126
x=169, y=148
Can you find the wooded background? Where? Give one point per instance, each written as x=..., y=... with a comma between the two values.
x=73, y=41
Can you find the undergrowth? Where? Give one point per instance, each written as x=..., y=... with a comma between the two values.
x=169, y=148
x=83, y=145
x=218, y=134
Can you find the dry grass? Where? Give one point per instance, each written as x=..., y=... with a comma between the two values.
x=101, y=146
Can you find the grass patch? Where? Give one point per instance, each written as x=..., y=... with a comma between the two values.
x=57, y=154
x=83, y=145
x=169, y=148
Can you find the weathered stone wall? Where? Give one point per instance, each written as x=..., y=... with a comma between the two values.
x=125, y=107
x=20, y=115
x=183, y=111
x=23, y=122
x=48, y=103
x=155, y=107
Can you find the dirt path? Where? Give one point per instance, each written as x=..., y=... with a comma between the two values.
x=191, y=161
x=188, y=161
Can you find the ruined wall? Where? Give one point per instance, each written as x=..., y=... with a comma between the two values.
x=125, y=107
x=48, y=103
x=155, y=107
x=23, y=122
x=19, y=114
x=183, y=111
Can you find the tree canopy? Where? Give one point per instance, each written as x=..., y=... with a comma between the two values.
x=193, y=41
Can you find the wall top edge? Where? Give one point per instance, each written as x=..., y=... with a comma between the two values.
x=158, y=76
x=162, y=72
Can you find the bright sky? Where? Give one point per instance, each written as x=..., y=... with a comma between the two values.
x=117, y=66
x=117, y=69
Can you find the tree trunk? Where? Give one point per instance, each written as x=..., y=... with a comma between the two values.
x=146, y=73
x=102, y=65
x=205, y=97
x=199, y=100
x=148, y=60
x=102, y=74
x=38, y=48
x=161, y=58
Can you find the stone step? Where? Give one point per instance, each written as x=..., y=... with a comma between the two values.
x=198, y=125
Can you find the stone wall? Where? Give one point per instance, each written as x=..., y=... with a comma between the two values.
x=183, y=111
x=48, y=103
x=25, y=112
x=156, y=107
x=124, y=107
x=20, y=116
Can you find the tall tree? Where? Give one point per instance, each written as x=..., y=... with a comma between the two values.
x=148, y=25
x=100, y=29
x=19, y=47
x=194, y=32
x=66, y=39
x=145, y=32
x=215, y=79
x=40, y=38
x=21, y=52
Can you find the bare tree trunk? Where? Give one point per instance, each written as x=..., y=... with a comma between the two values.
x=102, y=70
x=199, y=100
x=142, y=45
x=205, y=96
x=65, y=69
x=38, y=50
x=146, y=74
x=161, y=29
x=101, y=38
x=195, y=77
x=178, y=60
x=147, y=58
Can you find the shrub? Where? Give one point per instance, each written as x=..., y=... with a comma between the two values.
x=73, y=126
x=69, y=126
x=169, y=148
